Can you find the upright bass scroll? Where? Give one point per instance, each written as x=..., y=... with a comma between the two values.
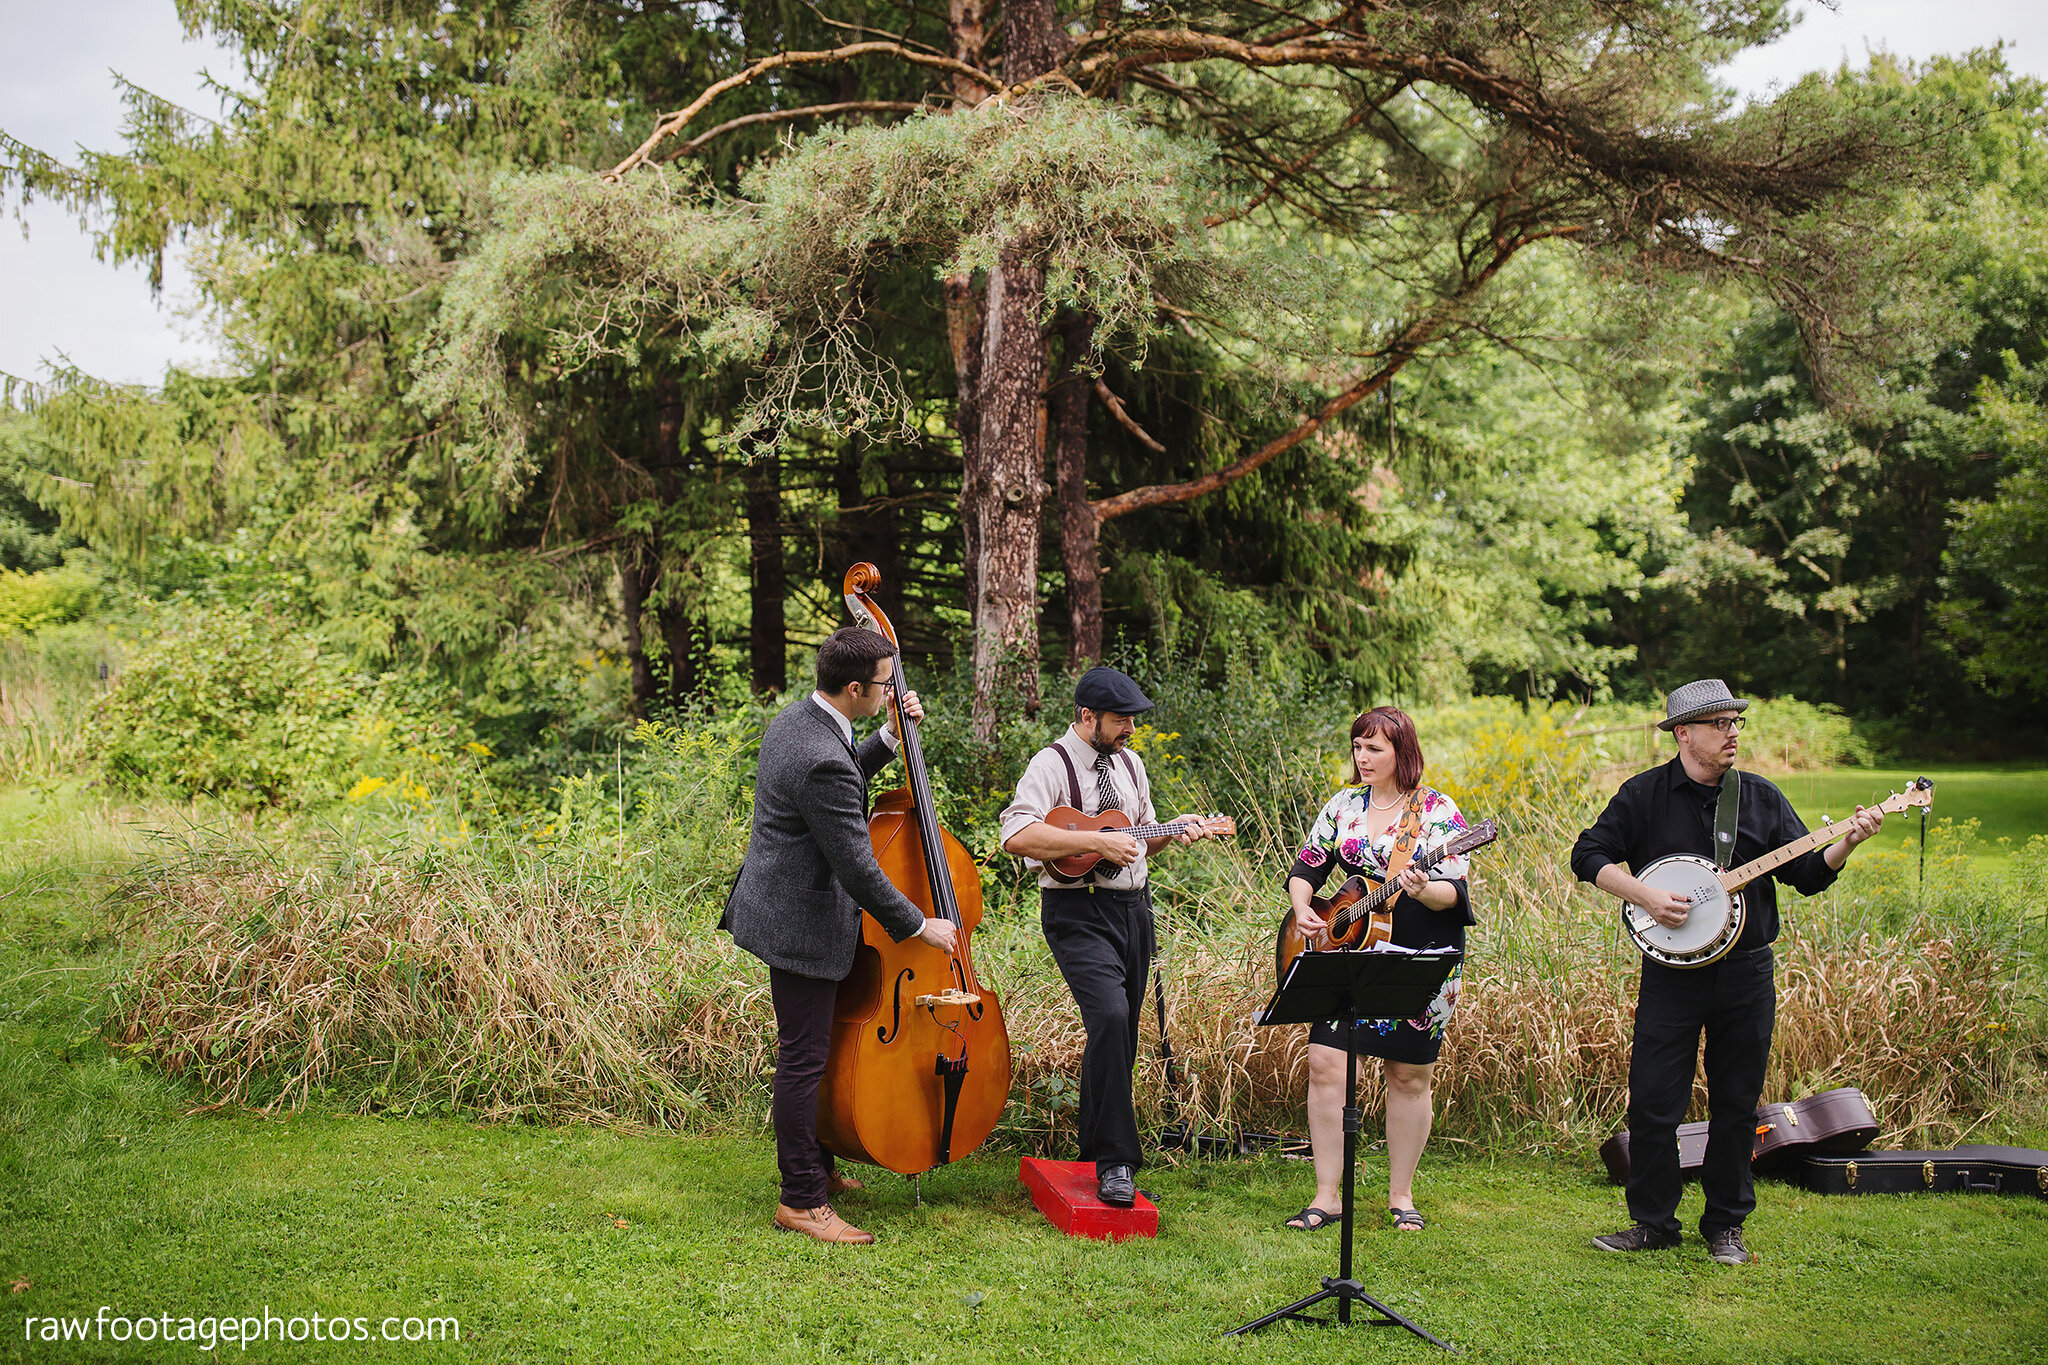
x=920, y=1062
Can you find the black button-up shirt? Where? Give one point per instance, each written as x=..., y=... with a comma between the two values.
x=1662, y=812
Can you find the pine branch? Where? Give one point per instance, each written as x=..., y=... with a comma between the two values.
x=785, y=115
x=671, y=124
x=1124, y=419
x=1397, y=353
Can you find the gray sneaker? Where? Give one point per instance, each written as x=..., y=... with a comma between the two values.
x=1641, y=1237
x=1726, y=1247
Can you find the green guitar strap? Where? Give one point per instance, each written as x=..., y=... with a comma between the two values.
x=1726, y=811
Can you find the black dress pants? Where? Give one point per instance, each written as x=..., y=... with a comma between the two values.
x=1103, y=942
x=803, y=1044
x=1734, y=1003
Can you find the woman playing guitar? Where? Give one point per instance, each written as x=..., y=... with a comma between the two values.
x=1384, y=815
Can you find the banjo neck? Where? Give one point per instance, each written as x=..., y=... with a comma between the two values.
x=1735, y=878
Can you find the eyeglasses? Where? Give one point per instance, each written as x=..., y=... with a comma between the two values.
x=1723, y=723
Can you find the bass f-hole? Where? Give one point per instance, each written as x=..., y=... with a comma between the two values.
x=960, y=984
x=888, y=1035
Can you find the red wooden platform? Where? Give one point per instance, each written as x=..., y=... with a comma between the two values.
x=1065, y=1193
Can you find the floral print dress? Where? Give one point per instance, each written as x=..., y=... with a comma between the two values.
x=1339, y=846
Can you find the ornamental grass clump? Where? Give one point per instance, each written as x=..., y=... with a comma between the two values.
x=413, y=990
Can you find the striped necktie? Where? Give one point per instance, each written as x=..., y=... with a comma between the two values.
x=1105, y=790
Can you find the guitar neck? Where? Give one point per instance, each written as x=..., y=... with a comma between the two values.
x=1373, y=899
x=1157, y=831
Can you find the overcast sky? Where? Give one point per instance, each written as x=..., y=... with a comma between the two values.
x=57, y=93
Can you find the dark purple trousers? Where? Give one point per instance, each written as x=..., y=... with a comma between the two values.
x=803, y=1032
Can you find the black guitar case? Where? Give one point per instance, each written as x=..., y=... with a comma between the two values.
x=1692, y=1153
x=1984, y=1170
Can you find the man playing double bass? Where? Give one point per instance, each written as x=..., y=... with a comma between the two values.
x=1101, y=931
x=1671, y=809
x=796, y=904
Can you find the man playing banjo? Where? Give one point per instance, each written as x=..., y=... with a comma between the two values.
x=1713, y=972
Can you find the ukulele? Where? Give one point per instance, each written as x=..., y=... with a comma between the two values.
x=1354, y=915
x=1076, y=866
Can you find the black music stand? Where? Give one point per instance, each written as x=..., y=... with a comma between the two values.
x=1347, y=987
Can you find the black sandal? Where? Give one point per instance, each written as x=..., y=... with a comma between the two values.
x=1311, y=1219
x=1406, y=1218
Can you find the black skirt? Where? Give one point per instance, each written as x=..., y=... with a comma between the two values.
x=1417, y=1042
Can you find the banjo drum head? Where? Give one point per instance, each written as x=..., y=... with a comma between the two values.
x=1705, y=928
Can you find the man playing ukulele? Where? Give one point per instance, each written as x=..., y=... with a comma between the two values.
x=1100, y=930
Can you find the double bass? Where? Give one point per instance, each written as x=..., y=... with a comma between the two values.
x=920, y=1063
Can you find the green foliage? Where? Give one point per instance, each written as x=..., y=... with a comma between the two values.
x=1788, y=735
x=242, y=706
x=601, y=269
x=30, y=601
x=32, y=537
x=1997, y=559
x=50, y=680
x=1815, y=560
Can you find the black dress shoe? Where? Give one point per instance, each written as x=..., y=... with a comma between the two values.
x=1118, y=1186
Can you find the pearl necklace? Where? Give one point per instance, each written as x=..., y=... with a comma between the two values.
x=1371, y=801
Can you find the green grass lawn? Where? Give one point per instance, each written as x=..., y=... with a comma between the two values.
x=577, y=1244
x=551, y=1244
x=2008, y=802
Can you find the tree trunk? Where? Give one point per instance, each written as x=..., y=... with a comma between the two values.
x=1080, y=531
x=1004, y=481
x=1009, y=493
x=868, y=532
x=767, y=577
x=1032, y=41
x=686, y=630
x=635, y=582
x=964, y=329
x=967, y=26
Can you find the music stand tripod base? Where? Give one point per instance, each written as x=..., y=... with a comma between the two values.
x=1346, y=987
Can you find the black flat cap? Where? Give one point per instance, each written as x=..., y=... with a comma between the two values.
x=1105, y=689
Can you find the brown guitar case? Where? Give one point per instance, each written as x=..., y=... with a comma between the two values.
x=1983, y=1170
x=1832, y=1121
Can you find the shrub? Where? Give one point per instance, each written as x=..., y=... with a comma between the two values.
x=30, y=601
x=237, y=704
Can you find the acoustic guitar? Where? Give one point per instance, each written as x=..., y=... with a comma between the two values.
x=1355, y=915
x=1076, y=866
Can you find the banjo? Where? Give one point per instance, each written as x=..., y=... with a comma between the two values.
x=1715, y=920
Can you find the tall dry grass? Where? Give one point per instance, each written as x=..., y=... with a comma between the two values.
x=49, y=683
x=418, y=988
x=578, y=976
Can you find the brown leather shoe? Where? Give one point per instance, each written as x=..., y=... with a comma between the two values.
x=822, y=1224
x=837, y=1184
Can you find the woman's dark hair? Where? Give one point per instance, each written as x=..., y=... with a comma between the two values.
x=850, y=655
x=1391, y=724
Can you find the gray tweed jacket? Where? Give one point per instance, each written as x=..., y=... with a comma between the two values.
x=809, y=868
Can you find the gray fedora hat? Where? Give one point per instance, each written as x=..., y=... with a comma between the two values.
x=1701, y=698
